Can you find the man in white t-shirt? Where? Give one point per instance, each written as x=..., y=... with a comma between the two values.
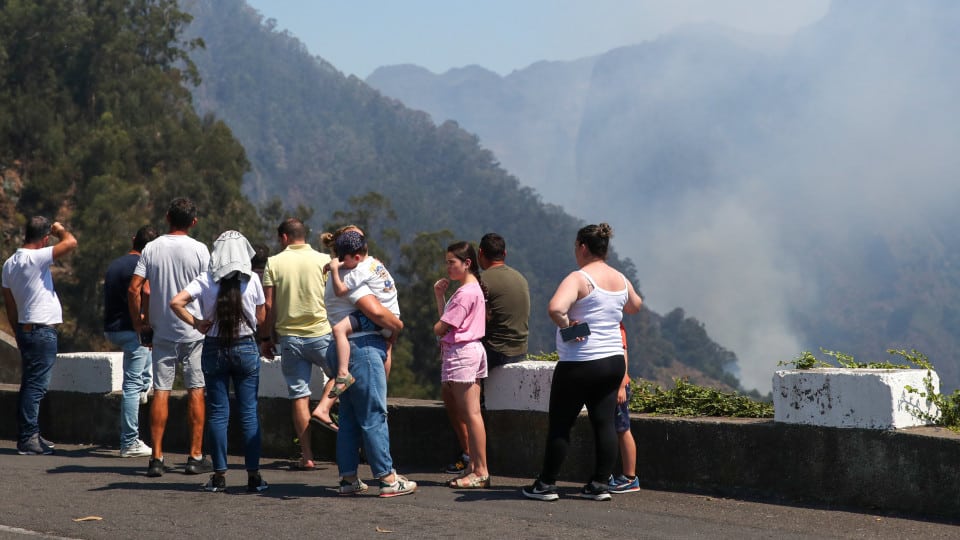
x=33, y=309
x=170, y=263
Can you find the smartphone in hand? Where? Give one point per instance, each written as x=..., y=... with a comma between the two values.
x=578, y=330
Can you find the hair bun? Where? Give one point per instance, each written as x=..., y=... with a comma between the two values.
x=604, y=230
x=326, y=239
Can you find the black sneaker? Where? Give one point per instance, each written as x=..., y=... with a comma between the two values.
x=256, y=484
x=541, y=491
x=217, y=484
x=33, y=447
x=595, y=491
x=198, y=466
x=155, y=468
x=459, y=465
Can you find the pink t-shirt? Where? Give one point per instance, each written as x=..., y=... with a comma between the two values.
x=466, y=313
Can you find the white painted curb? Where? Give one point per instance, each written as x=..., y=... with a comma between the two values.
x=522, y=386
x=851, y=398
x=102, y=373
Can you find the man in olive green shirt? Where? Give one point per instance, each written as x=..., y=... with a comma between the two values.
x=508, y=304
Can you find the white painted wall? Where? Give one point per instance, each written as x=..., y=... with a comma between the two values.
x=856, y=398
x=102, y=373
x=522, y=386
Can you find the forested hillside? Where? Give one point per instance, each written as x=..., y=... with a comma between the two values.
x=317, y=138
x=98, y=129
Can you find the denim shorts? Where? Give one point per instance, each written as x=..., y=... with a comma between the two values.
x=298, y=355
x=361, y=323
x=166, y=356
x=622, y=419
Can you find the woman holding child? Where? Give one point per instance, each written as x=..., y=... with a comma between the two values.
x=587, y=309
x=363, y=404
x=461, y=326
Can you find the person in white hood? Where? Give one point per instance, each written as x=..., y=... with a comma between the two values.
x=231, y=307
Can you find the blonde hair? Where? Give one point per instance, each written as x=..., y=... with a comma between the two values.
x=329, y=240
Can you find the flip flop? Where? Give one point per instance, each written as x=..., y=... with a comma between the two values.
x=302, y=465
x=337, y=390
x=331, y=425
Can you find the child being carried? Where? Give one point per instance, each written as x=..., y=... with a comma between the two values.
x=362, y=269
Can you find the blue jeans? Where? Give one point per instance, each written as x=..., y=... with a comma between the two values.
x=363, y=409
x=241, y=363
x=38, y=352
x=137, y=375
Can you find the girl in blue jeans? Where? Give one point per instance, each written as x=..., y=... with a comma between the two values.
x=230, y=301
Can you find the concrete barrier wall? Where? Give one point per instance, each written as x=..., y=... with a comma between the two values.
x=863, y=398
x=912, y=471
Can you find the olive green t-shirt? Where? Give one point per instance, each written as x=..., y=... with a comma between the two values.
x=508, y=310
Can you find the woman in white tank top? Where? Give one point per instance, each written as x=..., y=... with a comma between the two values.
x=592, y=368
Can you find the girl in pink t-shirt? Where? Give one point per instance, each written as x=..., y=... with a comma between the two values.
x=461, y=326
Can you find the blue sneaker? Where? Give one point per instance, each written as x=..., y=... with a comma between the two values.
x=622, y=484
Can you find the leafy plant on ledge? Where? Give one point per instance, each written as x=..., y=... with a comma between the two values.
x=686, y=399
x=947, y=405
x=807, y=360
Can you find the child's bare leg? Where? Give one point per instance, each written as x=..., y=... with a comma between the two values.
x=388, y=360
x=628, y=453
x=322, y=410
x=341, y=333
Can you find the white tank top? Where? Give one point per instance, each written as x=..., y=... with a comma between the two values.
x=602, y=310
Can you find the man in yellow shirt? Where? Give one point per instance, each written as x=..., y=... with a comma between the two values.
x=293, y=284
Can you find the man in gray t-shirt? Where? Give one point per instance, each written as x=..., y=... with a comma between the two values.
x=169, y=263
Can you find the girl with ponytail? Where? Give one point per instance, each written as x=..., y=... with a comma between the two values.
x=461, y=326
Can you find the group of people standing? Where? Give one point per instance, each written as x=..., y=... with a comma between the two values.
x=209, y=312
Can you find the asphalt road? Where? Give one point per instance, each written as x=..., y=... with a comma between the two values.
x=49, y=497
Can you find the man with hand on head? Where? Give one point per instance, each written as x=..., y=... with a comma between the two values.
x=33, y=308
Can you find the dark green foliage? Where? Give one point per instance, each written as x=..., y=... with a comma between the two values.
x=97, y=124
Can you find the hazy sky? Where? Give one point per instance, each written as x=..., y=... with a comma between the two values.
x=358, y=36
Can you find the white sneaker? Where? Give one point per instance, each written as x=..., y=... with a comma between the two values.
x=143, y=397
x=137, y=449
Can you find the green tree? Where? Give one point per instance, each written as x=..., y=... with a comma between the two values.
x=422, y=265
x=97, y=119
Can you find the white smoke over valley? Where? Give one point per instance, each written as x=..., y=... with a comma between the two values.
x=788, y=198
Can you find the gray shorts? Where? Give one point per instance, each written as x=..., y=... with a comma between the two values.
x=298, y=355
x=166, y=356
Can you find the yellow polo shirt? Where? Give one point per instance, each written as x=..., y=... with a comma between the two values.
x=297, y=278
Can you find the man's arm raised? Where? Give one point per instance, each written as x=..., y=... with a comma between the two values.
x=66, y=242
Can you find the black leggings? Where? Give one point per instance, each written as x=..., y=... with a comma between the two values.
x=595, y=384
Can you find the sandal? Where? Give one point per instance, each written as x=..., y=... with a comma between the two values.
x=305, y=465
x=337, y=389
x=470, y=481
x=332, y=425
